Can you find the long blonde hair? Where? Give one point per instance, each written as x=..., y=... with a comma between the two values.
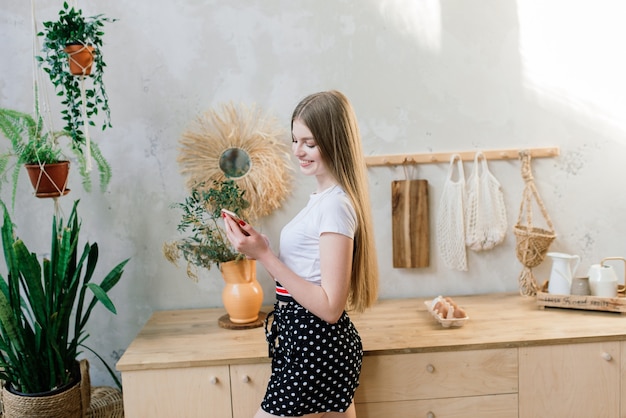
x=331, y=119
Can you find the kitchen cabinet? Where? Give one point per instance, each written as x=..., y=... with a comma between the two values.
x=570, y=380
x=623, y=379
x=510, y=359
x=196, y=392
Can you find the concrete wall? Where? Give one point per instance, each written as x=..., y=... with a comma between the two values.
x=428, y=76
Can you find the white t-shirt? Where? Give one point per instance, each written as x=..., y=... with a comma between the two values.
x=328, y=211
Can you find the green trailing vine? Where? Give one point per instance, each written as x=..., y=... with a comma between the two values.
x=83, y=97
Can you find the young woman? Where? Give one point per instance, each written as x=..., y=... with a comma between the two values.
x=327, y=264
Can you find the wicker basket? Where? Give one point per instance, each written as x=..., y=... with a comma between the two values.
x=106, y=402
x=532, y=244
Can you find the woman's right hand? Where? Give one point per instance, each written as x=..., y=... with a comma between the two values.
x=245, y=239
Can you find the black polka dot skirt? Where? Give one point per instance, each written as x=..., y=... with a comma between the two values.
x=315, y=365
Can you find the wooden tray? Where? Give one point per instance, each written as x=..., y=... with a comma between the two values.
x=225, y=322
x=589, y=303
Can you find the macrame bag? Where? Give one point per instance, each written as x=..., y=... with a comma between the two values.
x=532, y=242
x=485, y=212
x=450, y=224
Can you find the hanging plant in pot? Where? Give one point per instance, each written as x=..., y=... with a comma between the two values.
x=44, y=309
x=80, y=84
x=208, y=246
x=35, y=148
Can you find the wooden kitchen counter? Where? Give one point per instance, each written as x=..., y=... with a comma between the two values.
x=192, y=338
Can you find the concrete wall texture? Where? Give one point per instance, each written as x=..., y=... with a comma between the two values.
x=427, y=76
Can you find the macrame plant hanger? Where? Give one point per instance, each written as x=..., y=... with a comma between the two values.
x=532, y=242
x=43, y=114
x=85, y=71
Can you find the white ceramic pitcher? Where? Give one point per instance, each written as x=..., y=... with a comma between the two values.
x=603, y=279
x=562, y=272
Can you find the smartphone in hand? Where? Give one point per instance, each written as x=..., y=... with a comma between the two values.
x=235, y=218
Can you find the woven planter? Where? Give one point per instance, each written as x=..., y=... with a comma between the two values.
x=70, y=401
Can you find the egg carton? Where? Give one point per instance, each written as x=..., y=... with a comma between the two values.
x=443, y=310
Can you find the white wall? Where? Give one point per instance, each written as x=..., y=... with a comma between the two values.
x=428, y=76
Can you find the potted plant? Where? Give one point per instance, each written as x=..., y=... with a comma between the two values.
x=82, y=103
x=208, y=245
x=35, y=148
x=45, y=307
x=39, y=151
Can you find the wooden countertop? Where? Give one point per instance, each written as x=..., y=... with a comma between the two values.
x=188, y=338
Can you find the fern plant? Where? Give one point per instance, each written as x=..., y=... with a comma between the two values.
x=30, y=144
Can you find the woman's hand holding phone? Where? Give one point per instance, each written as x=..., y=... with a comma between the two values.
x=253, y=244
x=237, y=219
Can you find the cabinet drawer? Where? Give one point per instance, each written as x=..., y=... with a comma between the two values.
x=417, y=376
x=494, y=406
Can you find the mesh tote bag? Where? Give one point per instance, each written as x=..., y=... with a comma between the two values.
x=485, y=212
x=450, y=224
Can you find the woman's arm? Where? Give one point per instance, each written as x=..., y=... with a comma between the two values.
x=327, y=301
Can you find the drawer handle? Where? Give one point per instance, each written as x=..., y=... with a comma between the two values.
x=430, y=414
x=430, y=369
x=607, y=356
x=245, y=379
x=213, y=380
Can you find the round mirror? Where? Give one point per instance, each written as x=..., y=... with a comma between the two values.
x=235, y=163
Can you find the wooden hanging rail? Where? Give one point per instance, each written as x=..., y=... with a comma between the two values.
x=444, y=157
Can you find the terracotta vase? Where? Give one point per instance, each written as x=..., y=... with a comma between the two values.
x=49, y=180
x=243, y=295
x=80, y=58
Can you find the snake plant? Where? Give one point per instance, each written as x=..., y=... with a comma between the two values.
x=45, y=307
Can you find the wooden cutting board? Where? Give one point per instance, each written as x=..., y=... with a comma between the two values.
x=410, y=225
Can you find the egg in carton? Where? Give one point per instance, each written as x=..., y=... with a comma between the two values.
x=447, y=312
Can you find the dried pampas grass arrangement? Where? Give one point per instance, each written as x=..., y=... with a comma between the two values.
x=268, y=180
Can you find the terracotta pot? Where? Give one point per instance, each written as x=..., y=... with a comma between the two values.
x=243, y=295
x=49, y=180
x=80, y=58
